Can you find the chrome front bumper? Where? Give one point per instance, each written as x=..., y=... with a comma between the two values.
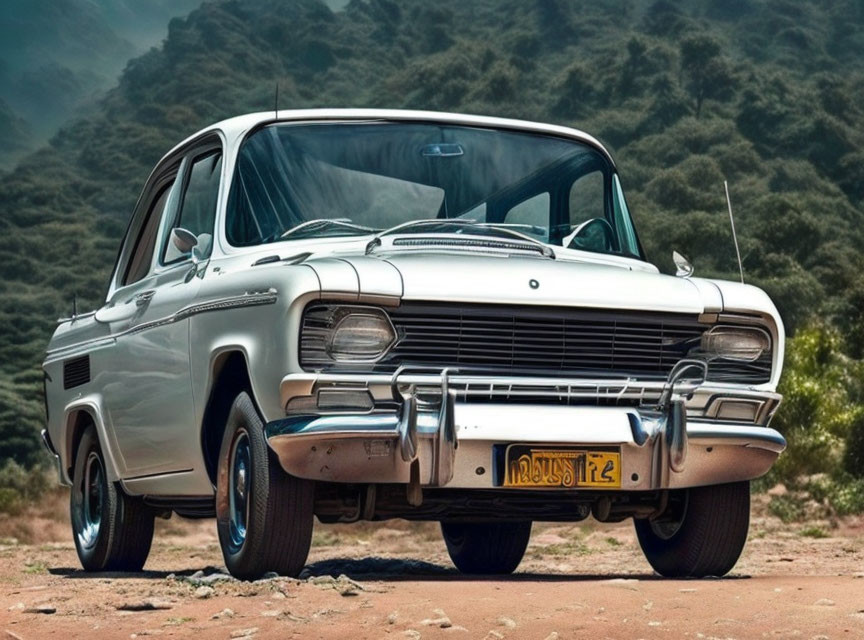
x=448, y=430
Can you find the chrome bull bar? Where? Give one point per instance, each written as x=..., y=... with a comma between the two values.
x=415, y=420
x=671, y=406
x=445, y=443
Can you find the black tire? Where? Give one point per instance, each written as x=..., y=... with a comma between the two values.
x=702, y=532
x=273, y=509
x=112, y=531
x=486, y=547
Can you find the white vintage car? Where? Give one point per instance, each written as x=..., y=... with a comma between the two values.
x=362, y=314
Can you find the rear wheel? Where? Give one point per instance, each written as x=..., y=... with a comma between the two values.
x=701, y=533
x=486, y=547
x=263, y=515
x=112, y=531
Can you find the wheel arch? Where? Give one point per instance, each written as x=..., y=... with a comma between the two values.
x=80, y=415
x=229, y=375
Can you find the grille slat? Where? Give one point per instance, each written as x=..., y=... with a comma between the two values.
x=556, y=341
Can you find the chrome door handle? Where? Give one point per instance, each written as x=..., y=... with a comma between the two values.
x=143, y=298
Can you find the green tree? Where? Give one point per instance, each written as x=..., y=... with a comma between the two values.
x=708, y=73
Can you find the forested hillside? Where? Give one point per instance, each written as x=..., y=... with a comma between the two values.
x=768, y=94
x=57, y=57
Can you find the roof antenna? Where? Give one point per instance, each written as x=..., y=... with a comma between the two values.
x=276, y=103
x=734, y=236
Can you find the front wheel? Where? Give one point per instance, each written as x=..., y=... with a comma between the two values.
x=701, y=533
x=112, y=531
x=263, y=515
x=486, y=547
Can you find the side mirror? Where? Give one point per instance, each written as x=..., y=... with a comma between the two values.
x=184, y=241
x=201, y=250
x=683, y=267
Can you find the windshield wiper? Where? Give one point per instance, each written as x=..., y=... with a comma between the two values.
x=545, y=249
x=315, y=225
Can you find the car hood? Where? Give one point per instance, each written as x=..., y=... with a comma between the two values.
x=512, y=280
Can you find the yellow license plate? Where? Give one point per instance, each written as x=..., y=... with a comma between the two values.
x=529, y=466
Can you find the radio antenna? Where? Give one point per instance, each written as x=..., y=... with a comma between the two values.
x=276, y=103
x=734, y=235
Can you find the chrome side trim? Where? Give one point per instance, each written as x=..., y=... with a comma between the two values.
x=248, y=299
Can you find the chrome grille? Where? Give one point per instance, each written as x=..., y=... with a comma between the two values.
x=537, y=341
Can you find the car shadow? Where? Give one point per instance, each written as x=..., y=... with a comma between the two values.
x=384, y=569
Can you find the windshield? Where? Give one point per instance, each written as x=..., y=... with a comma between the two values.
x=297, y=181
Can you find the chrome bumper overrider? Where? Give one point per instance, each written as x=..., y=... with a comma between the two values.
x=55, y=458
x=442, y=429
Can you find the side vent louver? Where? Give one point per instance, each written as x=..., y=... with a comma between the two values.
x=76, y=372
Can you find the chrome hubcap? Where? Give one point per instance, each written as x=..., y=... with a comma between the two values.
x=238, y=490
x=92, y=497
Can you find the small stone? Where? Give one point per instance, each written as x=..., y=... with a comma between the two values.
x=654, y=623
x=648, y=605
x=287, y=615
x=687, y=590
x=819, y=638
x=824, y=602
x=493, y=635
x=391, y=618
x=18, y=606
x=244, y=633
x=225, y=613
x=203, y=592
x=151, y=604
x=441, y=620
x=411, y=633
x=346, y=587
x=552, y=636
x=623, y=583
x=271, y=613
x=510, y=623
x=46, y=609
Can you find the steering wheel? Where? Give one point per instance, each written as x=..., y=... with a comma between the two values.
x=595, y=234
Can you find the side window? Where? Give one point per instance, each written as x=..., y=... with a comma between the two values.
x=586, y=198
x=532, y=216
x=142, y=255
x=197, y=211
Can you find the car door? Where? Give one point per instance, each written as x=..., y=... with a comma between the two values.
x=150, y=398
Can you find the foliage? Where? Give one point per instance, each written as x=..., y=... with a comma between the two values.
x=763, y=93
x=19, y=486
x=821, y=417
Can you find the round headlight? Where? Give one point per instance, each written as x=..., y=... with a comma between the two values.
x=744, y=344
x=364, y=334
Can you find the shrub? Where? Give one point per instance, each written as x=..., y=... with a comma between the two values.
x=19, y=486
x=853, y=459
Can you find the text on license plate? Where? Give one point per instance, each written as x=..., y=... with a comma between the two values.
x=528, y=466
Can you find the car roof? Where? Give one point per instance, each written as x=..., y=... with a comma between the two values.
x=238, y=126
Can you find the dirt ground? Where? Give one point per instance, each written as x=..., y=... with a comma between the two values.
x=394, y=580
